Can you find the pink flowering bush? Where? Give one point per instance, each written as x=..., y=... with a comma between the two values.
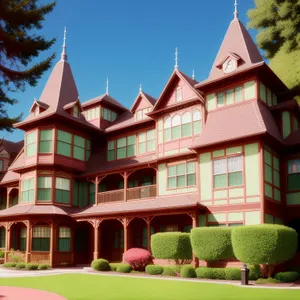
x=138, y=258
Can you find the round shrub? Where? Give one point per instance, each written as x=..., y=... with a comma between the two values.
x=254, y=272
x=43, y=267
x=287, y=276
x=233, y=274
x=264, y=244
x=169, y=272
x=9, y=265
x=113, y=266
x=154, y=270
x=212, y=243
x=31, y=267
x=100, y=265
x=138, y=258
x=187, y=272
x=20, y=266
x=124, y=268
x=171, y=245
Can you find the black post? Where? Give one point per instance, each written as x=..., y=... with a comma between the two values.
x=245, y=275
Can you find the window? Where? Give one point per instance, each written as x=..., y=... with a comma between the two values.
x=111, y=150
x=167, y=129
x=64, y=143
x=27, y=190
x=23, y=235
x=64, y=239
x=79, y=147
x=87, y=150
x=182, y=175
x=45, y=141
x=146, y=141
x=1, y=165
x=266, y=95
x=93, y=113
x=2, y=237
x=109, y=115
x=175, y=130
x=92, y=189
x=141, y=114
x=294, y=175
x=31, y=143
x=44, y=188
x=125, y=147
x=228, y=172
x=271, y=175
x=119, y=239
x=41, y=238
x=178, y=94
x=220, y=99
x=62, y=190
x=197, y=122
x=186, y=129
x=75, y=111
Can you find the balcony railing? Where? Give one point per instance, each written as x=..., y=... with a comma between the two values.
x=140, y=192
x=135, y=193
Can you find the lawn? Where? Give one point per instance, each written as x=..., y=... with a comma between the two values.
x=92, y=287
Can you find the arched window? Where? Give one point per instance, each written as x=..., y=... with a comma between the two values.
x=186, y=121
x=178, y=94
x=176, y=124
x=167, y=129
x=197, y=121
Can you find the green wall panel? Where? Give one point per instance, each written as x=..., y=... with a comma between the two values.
x=286, y=123
x=252, y=172
x=293, y=198
x=205, y=177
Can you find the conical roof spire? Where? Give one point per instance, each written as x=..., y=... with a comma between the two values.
x=236, y=14
x=64, y=46
x=176, y=59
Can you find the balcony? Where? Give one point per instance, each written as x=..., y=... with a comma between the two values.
x=135, y=193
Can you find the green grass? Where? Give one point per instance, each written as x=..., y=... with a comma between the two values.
x=91, y=287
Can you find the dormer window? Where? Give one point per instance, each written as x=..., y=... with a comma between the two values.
x=75, y=111
x=178, y=94
x=229, y=65
x=141, y=114
x=36, y=111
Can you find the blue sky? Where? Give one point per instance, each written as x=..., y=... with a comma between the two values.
x=132, y=42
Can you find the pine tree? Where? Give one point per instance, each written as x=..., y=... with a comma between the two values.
x=18, y=47
x=278, y=23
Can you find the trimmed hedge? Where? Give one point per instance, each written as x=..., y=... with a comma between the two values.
x=171, y=245
x=169, y=272
x=31, y=267
x=210, y=273
x=123, y=268
x=254, y=272
x=187, y=272
x=212, y=243
x=113, y=266
x=264, y=244
x=9, y=265
x=20, y=266
x=154, y=270
x=287, y=276
x=138, y=258
x=100, y=265
x=266, y=280
x=43, y=267
x=233, y=274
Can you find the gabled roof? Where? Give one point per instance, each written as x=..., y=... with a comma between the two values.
x=40, y=104
x=233, y=122
x=239, y=43
x=72, y=104
x=11, y=147
x=143, y=95
x=9, y=177
x=178, y=74
x=106, y=99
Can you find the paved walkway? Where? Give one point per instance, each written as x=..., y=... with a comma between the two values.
x=14, y=293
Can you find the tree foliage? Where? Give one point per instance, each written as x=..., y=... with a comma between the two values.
x=19, y=45
x=278, y=25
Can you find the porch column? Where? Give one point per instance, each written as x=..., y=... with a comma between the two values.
x=125, y=187
x=125, y=234
x=96, y=240
x=28, y=241
x=7, y=242
x=7, y=197
x=149, y=234
x=96, y=190
x=195, y=224
x=52, y=241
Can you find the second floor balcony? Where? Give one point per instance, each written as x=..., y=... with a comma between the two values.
x=138, y=185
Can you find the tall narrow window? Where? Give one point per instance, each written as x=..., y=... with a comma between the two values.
x=182, y=175
x=178, y=94
x=62, y=190
x=262, y=92
x=45, y=141
x=111, y=150
x=31, y=143
x=167, y=129
x=130, y=145
x=44, y=188
x=186, y=121
x=64, y=143
x=87, y=150
x=79, y=149
x=121, y=148
x=142, y=143
x=238, y=94
x=2, y=237
x=175, y=131
x=220, y=99
x=75, y=111
x=229, y=96
x=41, y=238
x=23, y=235
x=64, y=239
x=92, y=189
x=197, y=122
x=146, y=141
x=1, y=165
x=294, y=175
x=27, y=190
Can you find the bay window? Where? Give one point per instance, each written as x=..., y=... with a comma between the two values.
x=41, y=238
x=62, y=190
x=79, y=147
x=64, y=239
x=27, y=190
x=182, y=175
x=45, y=145
x=227, y=172
x=64, y=143
x=30, y=140
x=44, y=188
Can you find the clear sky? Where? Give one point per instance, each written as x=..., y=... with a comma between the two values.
x=132, y=42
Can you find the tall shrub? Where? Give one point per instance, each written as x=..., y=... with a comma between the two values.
x=212, y=243
x=172, y=245
x=264, y=244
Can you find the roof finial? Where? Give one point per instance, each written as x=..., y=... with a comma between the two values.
x=141, y=88
x=176, y=59
x=235, y=9
x=107, y=82
x=64, y=53
x=193, y=75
